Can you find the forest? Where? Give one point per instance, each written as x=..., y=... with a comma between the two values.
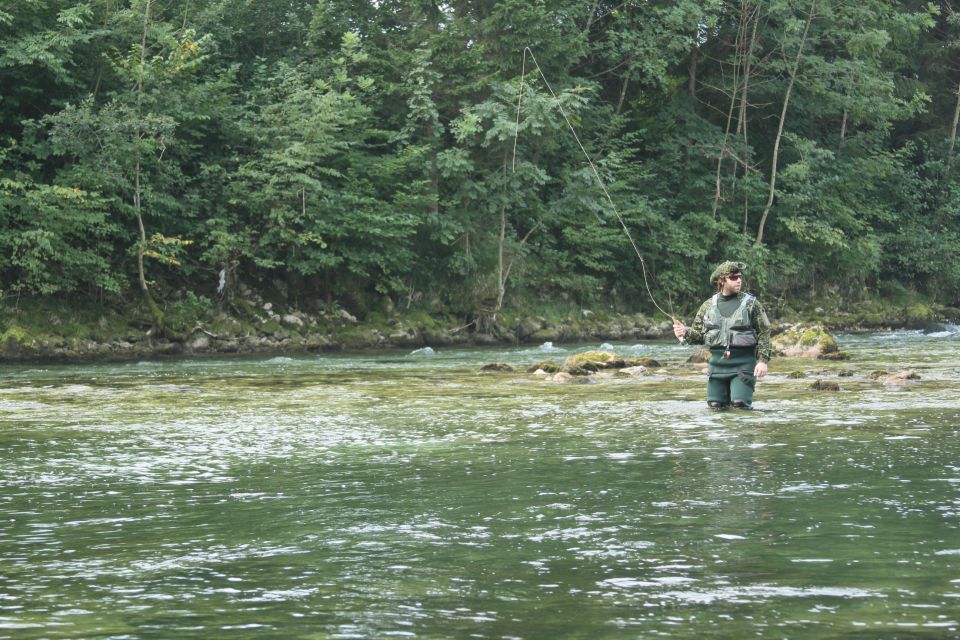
x=427, y=154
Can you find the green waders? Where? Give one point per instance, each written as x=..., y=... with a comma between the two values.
x=731, y=380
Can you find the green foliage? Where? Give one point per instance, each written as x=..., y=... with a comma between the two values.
x=184, y=315
x=54, y=239
x=353, y=151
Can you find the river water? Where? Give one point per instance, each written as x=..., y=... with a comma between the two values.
x=408, y=495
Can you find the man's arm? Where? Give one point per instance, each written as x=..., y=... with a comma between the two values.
x=761, y=325
x=694, y=334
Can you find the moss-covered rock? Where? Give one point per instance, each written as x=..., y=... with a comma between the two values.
x=836, y=355
x=795, y=375
x=270, y=327
x=877, y=374
x=699, y=356
x=588, y=362
x=825, y=385
x=495, y=367
x=15, y=342
x=805, y=340
x=645, y=361
x=918, y=314
x=549, y=367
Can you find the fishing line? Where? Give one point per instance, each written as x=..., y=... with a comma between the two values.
x=523, y=72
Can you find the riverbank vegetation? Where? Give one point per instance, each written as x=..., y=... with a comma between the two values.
x=182, y=162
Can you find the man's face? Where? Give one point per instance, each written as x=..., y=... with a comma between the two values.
x=731, y=284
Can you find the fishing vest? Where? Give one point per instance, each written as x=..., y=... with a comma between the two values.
x=735, y=331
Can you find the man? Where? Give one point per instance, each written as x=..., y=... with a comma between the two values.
x=735, y=328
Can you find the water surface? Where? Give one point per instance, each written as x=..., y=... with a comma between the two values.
x=409, y=495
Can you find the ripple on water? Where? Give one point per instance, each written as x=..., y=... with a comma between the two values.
x=765, y=593
x=470, y=501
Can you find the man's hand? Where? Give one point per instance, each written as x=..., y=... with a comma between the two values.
x=760, y=370
x=678, y=329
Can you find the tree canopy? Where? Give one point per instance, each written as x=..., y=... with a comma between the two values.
x=355, y=150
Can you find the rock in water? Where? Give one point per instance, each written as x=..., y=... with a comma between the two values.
x=588, y=362
x=805, y=340
x=549, y=367
x=825, y=385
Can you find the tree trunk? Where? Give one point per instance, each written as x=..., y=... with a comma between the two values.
x=843, y=126
x=747, y=68
x=754, y=16
x=783, y=118
x=623, y=94
x=591, y=17
x=692, y=72
x=501, y=276
x=953, y=129
x=738, y=44
x=155, y=310
x=503, y=267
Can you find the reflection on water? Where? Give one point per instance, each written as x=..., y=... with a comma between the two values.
x=408, y=495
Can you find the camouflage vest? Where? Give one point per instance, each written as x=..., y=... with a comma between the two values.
x=735, y=331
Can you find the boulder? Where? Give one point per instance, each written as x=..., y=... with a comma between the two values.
x=292, y=320
x=588, y=362
x=805, y=340
x=699, y=356
x=549, y=367
x=649, y=363
x=570, y=379
x=199, y=343
x=633, y=372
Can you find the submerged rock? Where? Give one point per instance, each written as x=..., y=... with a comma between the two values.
x=900, y=378
x=497, y=367
x=836, y=355
x=825, y=385
x=805, y=340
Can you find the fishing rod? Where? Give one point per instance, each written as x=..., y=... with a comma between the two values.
x=603, y=187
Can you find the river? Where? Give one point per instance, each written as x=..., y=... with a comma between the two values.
x=409, y=495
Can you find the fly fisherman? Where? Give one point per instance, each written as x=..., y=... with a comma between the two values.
x=733, y=325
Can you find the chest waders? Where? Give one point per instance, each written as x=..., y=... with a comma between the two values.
x=732, y=342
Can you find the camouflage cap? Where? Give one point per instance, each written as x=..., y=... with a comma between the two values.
x=725, y=268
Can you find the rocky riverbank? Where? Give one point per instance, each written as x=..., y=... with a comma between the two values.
x=46, y=332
